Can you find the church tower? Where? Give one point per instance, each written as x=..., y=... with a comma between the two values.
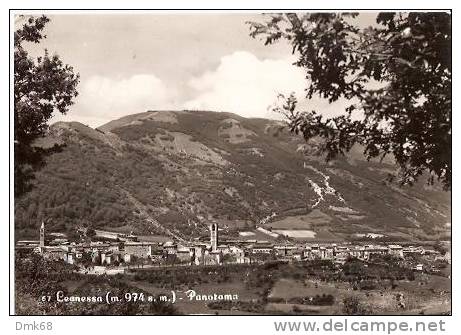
x=214, y=236
x=42, y=235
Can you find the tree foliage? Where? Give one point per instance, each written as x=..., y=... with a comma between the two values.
x=42, y=86
x=395, y=76
x=353, y=306
x=36, y=276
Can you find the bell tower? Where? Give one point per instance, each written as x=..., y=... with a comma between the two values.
x=42, y=235
x=214, y=236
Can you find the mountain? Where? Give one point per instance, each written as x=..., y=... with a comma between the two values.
x=171, y=173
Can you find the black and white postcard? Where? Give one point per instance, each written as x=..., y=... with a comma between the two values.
x=277, y=163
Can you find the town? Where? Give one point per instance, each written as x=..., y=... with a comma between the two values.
x=119, y=251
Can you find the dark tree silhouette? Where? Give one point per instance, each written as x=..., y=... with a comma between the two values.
x=396, y=76
x=42, y=86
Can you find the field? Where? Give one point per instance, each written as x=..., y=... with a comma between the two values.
x=153, y=238
x=256, y=235
x=426, y=295
x=308, y=221
x=312, y=226
x=296, y=233
x=287, y=289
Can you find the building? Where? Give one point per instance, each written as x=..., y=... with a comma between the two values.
x=109, y=258
x=138, y=249
x=341, y=254
x=54, y=252
x=69, y=257
x=198, y=254
x=284, y=250
x=412, y=250
x=184, y=256
x=42, y=235
x=396, y=250
x=211, y=253
x=127, y=258
x=214, y=236
x=312, y=252
x=27, y=244
x=212, y=258
x=262, y=248
x=170, y=248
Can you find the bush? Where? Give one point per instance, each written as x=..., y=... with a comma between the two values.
x=353, y=306
x=367, y=285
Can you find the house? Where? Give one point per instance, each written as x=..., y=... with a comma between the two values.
x=27, y=244
x=95, y=256
x=262, y=249
x=370, y=250
x=284, y=250
x=224, y=249
x=297, y=255
x=356, y=252
x=329, y=251
x=198, y=254
x=59, y=241
x=109, y=258
x=138, y=249
x=131, y=237
x=127, y=258
x=412, y=250
x=170, y=248
x=115, y=247
x=78, y=254
x=212, y=258
x=184, y=254
x=430, y=252
x=53, y=252
x=241, y=256
x=396, y=250
x=157, y=254
x=69, y=257
x=341, y=254
x=418, y=267
x=312, y=251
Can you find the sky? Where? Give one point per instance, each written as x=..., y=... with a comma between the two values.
x=133, y=63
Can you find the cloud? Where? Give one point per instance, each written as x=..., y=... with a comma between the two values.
x=102, y=99
x=246, y=85
x=241, y=83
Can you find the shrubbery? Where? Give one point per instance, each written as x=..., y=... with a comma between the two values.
x=36, y=277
